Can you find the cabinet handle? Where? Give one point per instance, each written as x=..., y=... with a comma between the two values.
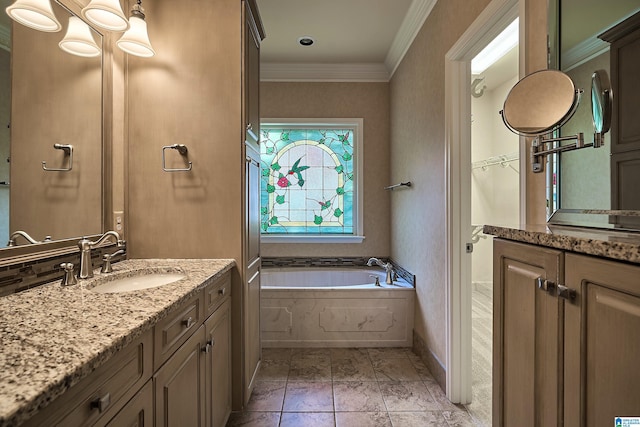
x=188, y=322
x=567, y=293
x=101, y=403
x=546, y=285
x=208, y=345
x=222, y=292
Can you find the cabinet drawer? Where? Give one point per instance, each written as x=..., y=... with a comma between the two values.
x=217, y=292
x=105, y=391
x=175, y=329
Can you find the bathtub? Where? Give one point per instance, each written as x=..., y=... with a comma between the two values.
x=334, y=307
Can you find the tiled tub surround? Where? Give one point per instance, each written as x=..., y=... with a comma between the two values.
x=334, y=307
x=618, y=245
x=53, y=336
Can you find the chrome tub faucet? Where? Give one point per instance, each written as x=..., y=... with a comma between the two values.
x=388, y=267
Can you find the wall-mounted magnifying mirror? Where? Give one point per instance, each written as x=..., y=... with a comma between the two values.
x=543, y=101
x=540, y=103
x=601, y=102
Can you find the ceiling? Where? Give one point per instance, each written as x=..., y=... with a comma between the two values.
x=366, y=35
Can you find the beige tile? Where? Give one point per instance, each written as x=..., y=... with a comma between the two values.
x=308, y=397
x=306, y=353
x=421, y=368
x=462, y=419
x=441, y=398
x=362, y=419
x=276, y=354
x=267, y=396
x=388, y=353
x=418, y=419
x=352, y=369
x=357, y=396
x=310, y=369
x=408, y=396
x=307, y=419
x=349, y=353
x=395, y=370
x=254, y=419
x=274, y=370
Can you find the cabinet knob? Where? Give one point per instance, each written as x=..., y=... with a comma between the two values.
x=222, y=292
x=546, y=285
x=208, y=345
x=101, y=403
x=188, y=322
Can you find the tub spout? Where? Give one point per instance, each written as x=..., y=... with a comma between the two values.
x=388, y=267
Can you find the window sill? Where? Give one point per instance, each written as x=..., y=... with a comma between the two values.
x=311, y=239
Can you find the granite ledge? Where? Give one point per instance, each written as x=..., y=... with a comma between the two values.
x=53, y=336
x=616, y=245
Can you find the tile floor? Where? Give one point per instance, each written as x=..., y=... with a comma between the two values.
x=347, y=388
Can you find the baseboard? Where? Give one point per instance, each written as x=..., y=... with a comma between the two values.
x=435, y=367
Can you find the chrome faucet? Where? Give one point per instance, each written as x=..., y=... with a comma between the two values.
x=85, y=245
x=388, y=267
x=25, y=235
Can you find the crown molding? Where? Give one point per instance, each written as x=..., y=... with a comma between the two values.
x=301, y=72
x=416, y=15
x=583, y=52
x=411, y=25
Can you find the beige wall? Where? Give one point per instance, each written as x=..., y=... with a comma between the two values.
x=334, y=100
x=418, y=154
x=5, y=109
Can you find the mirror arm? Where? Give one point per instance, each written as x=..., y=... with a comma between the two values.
x=538, y=152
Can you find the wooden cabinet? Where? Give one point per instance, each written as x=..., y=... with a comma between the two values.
x=526, y=330
x=566, y=338
x=138, y=412
x=253, y=35
x=602, y=342
x=218, y=366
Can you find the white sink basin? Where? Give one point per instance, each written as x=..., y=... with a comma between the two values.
x=136, y=283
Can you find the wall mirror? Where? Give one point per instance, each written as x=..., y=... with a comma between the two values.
x=587, y=187
x=51, y=120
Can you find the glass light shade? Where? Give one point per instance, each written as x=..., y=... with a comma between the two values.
x=79, y=40
x=136, y=40
x=106, y=14
x=36, y=14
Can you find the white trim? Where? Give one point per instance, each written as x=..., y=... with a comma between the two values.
x=299, y=72
x=583, y=52
x=413, y=21
x=358, y=153
x=495, y=18
x=411, y=25
x=311, y=239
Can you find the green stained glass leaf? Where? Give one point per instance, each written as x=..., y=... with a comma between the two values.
x=264, y=210
x=284, y=136
x=346, y=157
x=350, y=176
x=270, y=188
x=270, y=150
x=340, y=169
x=317, y=219
x=280, y=199
x=340, y=190
x=265, y=226
x=322, y=140
x=337, y=213
x=273, y=220
x=265, y=172
x=301, y=182
x=326, y=205
x=275, y=166
x=280, y=175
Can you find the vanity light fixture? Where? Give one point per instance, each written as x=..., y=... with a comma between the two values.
x=136, y=40
x=79, y=40
x=496, y=49
x=106, y=14
x=36, y=14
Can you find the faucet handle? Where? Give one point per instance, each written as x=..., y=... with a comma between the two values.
x=68, y=279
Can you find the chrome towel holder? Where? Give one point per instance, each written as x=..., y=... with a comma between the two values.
x=182, y=149
x=402, y=184
x=68, y=151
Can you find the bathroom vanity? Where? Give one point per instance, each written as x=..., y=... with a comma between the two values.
x=566, y=334
x=158, y=356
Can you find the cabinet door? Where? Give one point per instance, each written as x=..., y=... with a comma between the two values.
x=602, y=342
x=218, y=369
x=252, y=338
x=138, y=412
x=251, y=77
x=526, y=335
x=179, y=386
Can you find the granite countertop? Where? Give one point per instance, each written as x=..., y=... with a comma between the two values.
x=618, y=245
x=53, y=336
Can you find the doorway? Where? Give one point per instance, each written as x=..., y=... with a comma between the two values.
x=458, y=78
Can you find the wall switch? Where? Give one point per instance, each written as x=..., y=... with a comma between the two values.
x=118, y=222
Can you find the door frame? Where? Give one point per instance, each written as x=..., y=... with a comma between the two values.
x=494, y=18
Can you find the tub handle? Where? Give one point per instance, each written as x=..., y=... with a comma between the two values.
x=377, y=279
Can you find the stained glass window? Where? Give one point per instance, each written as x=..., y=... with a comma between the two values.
x=309, y=179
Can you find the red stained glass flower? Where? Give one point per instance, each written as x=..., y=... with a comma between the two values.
x=283, y=182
